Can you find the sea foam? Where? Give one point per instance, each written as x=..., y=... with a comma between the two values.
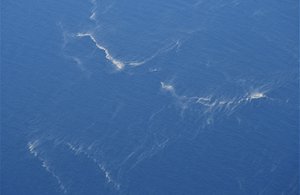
x=119, y=65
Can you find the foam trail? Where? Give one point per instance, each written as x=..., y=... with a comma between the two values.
x=164, y=49
x=167, y=87
x=32, y=147
x=108, y=176
x=211, y=106
x=46, y=165
x=138, y=63
x=93, y=16
x=256, y=95
x=93, y=12
x=80, y=150
x=118, y=64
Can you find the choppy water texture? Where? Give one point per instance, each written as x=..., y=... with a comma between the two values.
x=150, y=97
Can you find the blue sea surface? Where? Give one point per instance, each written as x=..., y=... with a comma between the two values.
x=139, y=97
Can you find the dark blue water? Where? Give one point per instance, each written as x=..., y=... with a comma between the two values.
x=150, y=97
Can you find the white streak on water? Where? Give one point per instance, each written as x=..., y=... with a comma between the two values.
x=117, y=63
x=209, y=106
x=80, y=150
x=93, y=16
x=93, y=11
x=164, y=49
x=256, y=95
x=32, y=147
x=167, y=87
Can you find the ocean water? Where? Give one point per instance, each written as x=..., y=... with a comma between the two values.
x=150, y=97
